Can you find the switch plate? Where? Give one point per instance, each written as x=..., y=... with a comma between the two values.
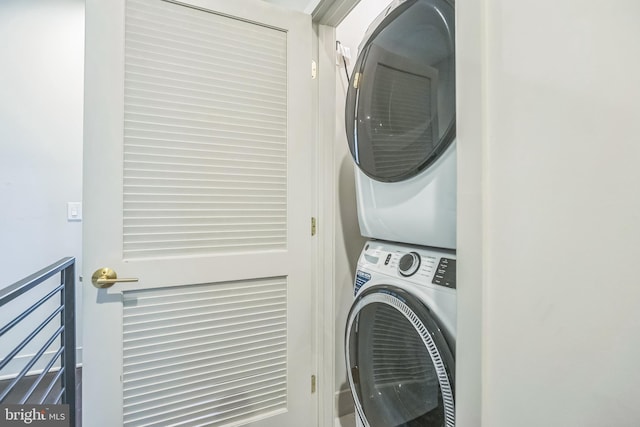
x=74, y=211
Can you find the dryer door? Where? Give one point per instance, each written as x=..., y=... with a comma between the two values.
x=400, y=367
x=400, y=111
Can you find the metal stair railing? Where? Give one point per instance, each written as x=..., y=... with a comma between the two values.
x=61, y=383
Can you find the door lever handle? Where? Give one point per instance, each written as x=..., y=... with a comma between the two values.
x=106, y=277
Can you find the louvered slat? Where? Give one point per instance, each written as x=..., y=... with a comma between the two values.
x=209, y=354
x=205, y=135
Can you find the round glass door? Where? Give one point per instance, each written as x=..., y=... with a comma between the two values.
x=399, y=365
x=400, y=111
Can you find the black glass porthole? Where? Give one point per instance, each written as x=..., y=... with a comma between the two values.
x=400, y=109
x=400, y=366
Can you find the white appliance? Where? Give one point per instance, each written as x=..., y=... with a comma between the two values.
x=400, y=337
x=400, y=122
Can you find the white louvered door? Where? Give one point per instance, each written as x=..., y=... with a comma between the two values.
x=196, y=182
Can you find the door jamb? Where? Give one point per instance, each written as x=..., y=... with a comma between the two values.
x=324, y=55
x=326, y=17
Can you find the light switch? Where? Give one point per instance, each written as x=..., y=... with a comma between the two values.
x=74, y=211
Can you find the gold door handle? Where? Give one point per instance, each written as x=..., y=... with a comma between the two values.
x=106, y=277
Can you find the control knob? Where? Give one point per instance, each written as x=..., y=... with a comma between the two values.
x=409, y=264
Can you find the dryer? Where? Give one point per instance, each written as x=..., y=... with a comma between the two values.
x=400, y=337
x=400, y=123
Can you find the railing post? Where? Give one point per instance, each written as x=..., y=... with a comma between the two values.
x=69, y=341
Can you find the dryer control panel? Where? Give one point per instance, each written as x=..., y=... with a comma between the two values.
x=415, y=264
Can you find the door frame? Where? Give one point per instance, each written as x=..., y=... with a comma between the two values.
x=325, y=176
x=326, y=17
x=471, y=46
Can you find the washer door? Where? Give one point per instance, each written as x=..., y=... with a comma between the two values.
x=400, y=111
x=399, y=365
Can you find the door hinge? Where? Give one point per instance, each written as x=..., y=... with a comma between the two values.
x=314, y=69
x=313, y=226
x=313, y=383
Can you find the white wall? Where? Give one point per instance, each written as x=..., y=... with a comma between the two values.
x=348, y=242
x=560, y=211
x=41, y=90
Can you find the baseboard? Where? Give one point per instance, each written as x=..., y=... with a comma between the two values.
x=19, y=362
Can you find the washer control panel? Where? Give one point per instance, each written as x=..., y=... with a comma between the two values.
x=416, y=264
x=445, y=273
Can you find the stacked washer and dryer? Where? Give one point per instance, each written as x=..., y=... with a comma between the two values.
x=400, y=120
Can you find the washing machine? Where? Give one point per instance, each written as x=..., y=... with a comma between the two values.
x=400, y=337
x=400, y=123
